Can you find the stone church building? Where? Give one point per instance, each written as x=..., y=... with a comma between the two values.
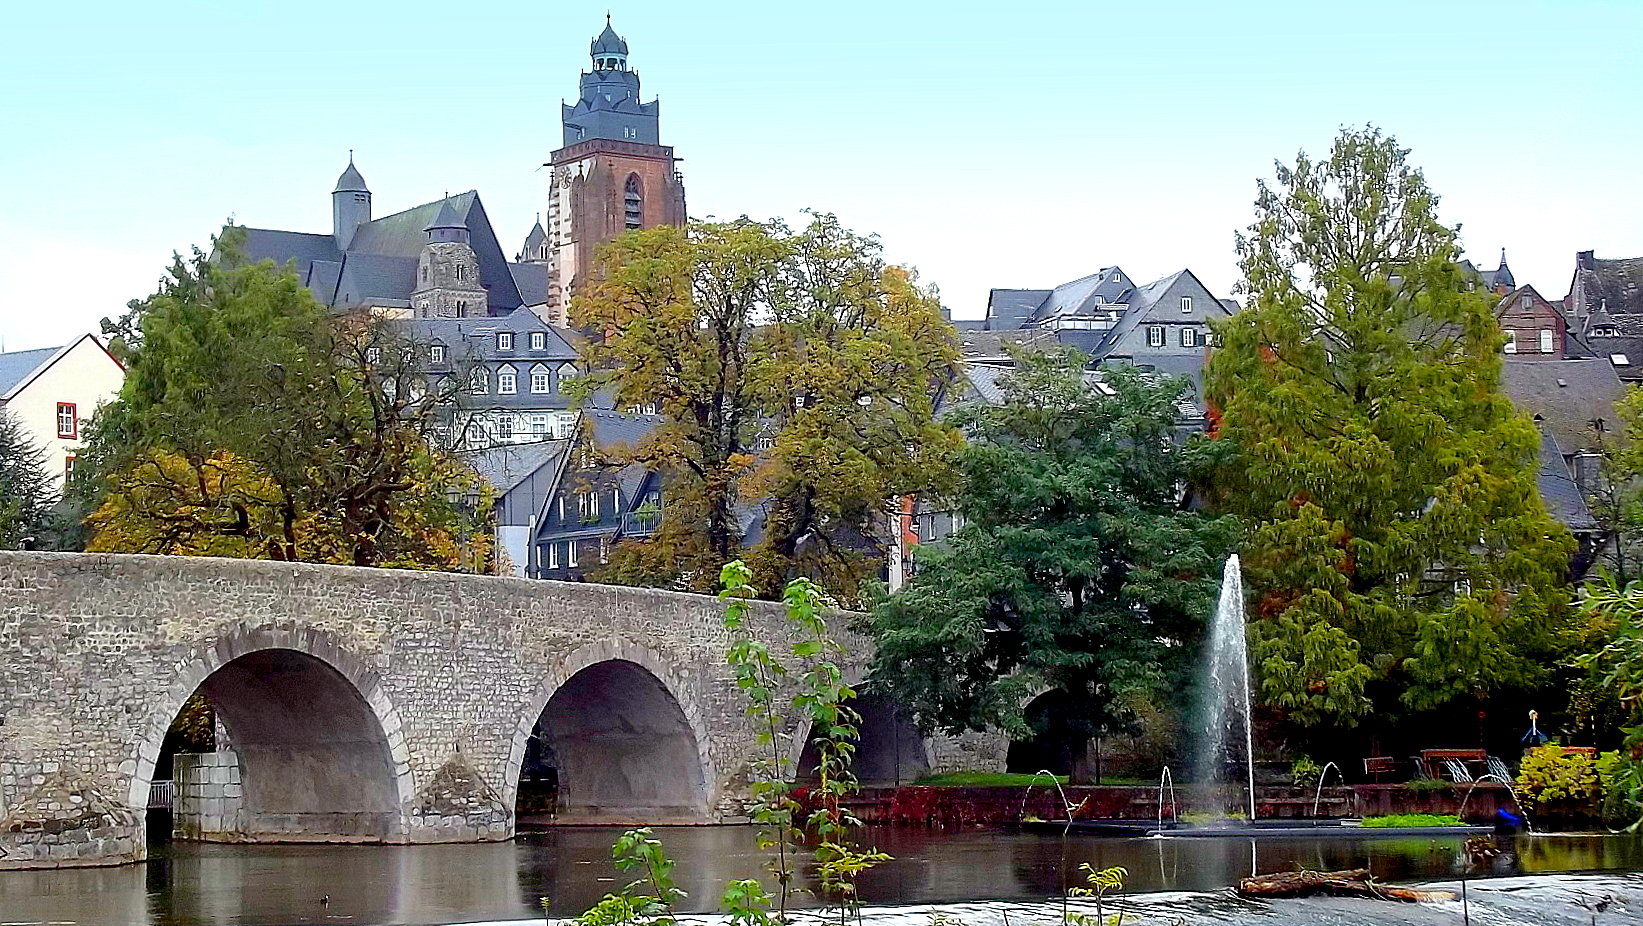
x=443, y=259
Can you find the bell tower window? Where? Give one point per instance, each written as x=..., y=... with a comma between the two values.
x=635, y=203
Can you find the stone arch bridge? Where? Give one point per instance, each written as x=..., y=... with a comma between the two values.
x=365, y=705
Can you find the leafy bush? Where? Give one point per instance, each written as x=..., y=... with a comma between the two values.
x=1304, y=773
x=1550, y=781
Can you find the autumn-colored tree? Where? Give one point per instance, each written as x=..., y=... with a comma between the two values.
x=796, y=373
x=252, y=423
x=1402, y=558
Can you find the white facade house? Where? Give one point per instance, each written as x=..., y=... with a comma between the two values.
x=53, y=390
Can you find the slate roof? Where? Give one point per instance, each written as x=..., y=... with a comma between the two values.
x=608, y=42
x=351, y=181
x=17, y=365
x=380, y=263
x=532, y=281
x=1566, y=395
x=1615, y=284
x=1629, y=347
x=1008, y=309
x=507, y=465
x=1558, y=488
x=611, y=428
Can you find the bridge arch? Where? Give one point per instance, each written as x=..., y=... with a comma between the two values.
x=623, y=683
x=891, y=750
x=350, y=777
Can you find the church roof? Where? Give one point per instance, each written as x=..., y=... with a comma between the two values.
x=532, y=281
x=380, y=263
x=608, y=42
x=1503, y=274
x=447, y=218
x=537, y=237
x=351, y=181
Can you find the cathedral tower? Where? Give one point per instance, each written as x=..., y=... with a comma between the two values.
x=613, y=173
x=350, y=205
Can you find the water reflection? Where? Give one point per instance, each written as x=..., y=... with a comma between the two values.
x=187, y=884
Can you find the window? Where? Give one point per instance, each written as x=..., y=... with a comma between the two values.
x=539, y=426
x=1511, y=342
x=1186, y=304
x=461, y=272
x=635, y=203
x=540, y=382
x=1155, y=335
x=504, y=428
x=553, y=554
x=504, y=340
x=1527, y=302
x=604, y=551
x=570, y=554
x=1189, y=337
x=1545, y=340
x=68, y=465
x=436, y=353
x=615, y=501
x=373, y=355
x=507, y=381
x=561, y=509
x=539, y=340
x=424, y=273
x=462, y=308
x=476, y=382
x=68, y=423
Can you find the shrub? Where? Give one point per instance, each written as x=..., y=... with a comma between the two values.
x=1304, y=773
x=1558, y=784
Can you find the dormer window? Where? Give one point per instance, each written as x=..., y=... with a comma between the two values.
x=504, y=340
x=507, y=381
x=539, y=340
x=436, y=353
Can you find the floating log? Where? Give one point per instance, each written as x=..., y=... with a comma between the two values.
x=1353, y=882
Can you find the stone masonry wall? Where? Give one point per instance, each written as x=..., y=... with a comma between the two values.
x=98, y=653
x=207, y=802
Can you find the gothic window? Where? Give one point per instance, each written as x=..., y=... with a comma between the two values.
x=635, y=203
x=462, y=308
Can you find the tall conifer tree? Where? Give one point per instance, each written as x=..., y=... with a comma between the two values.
x=1401, y=555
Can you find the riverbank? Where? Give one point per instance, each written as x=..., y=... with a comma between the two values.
x=1007, y=805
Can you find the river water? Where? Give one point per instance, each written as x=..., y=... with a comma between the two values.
x=190, y=883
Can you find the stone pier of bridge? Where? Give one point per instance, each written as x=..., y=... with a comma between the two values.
x=368, y=705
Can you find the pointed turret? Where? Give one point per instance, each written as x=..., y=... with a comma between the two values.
x=535, y=250
x=609, y=50
x=447, y=226
x=1502, y=281
x=350, y=204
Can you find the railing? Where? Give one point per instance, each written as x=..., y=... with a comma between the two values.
x=636, y=525
x=161, y=795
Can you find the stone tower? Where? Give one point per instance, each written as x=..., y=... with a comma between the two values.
x=612, y=175
x=447, y=273
x=350, y=205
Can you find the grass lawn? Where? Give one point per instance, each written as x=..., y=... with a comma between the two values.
x=1413, y=819
x=1005, y=780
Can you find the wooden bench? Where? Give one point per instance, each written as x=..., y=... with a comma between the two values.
x=1473, y=759
x=1380, y=765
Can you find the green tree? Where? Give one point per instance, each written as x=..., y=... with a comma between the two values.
x=1400, y=553
x=1078, y=570
x=26, y=492
x=796, y=374
x=252, y=423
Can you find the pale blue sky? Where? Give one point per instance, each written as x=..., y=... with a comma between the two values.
x=1007, y=145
